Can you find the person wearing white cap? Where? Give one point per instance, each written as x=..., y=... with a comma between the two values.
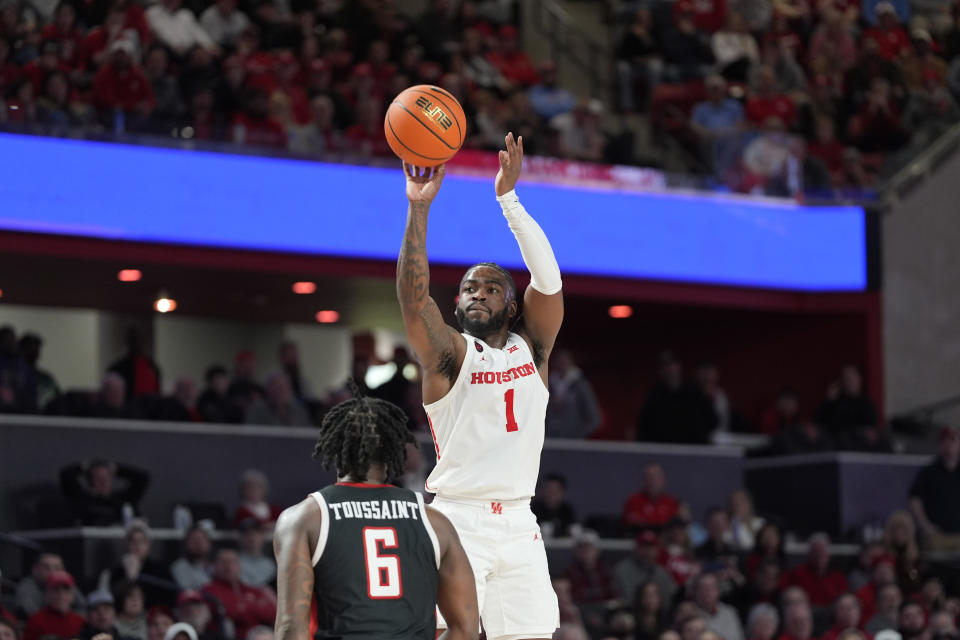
x=180, y=631
x=871, y=10
x=101, y=617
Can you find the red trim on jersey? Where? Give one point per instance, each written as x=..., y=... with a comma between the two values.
x=363, y=485
x=314, y=617
x=434, y=434
x=382, y=573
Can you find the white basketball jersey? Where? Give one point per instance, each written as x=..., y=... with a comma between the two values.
x=488, y=430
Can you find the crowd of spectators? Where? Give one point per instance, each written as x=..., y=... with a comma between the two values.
x=677, y=408
x=853, y=79
x=727, y=577
x=731, y=578
x=311, y=77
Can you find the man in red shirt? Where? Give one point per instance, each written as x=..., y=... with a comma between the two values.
x=247, y=606
x=651, y=506
x=888, y=32
x=883, y=571
x=821, y=583
x=56, y=619
x=846, y=615
x=766, y=102
x=121, y=84
x=512, y=63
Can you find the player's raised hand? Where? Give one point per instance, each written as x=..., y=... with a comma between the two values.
x=511, y=161
x=423, y=183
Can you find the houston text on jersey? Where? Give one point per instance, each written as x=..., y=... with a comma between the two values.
x=500, y=377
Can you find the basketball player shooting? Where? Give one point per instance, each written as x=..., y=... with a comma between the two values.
x=362, y=559
x=485, y=394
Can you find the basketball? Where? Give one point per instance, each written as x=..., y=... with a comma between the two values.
x=425, y=125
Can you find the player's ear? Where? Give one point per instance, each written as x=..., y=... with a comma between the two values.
x=513, y=309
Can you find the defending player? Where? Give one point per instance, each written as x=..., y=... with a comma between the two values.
x=362, y=559
x=485, y=393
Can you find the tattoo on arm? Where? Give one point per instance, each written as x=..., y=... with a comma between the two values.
x=413, y=291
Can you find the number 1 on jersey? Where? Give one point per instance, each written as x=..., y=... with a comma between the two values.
x=511, y=421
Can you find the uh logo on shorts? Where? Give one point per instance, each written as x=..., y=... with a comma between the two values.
x=496, y=508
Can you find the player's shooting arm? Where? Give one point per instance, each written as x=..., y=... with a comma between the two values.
x=438, y=346
x=456, y=588
x=291, y=544
x=543, y=299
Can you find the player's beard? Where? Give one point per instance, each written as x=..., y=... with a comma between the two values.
x=482, y=328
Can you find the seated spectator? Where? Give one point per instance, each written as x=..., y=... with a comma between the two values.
x=56, y=619
x=763, y=588
x=365, y=136
x=882, y=574
x=674, y=411
x=676, y=553
x=640, y=569
x=572, y=411
x=131, y=612
x=43, y=65
x=111, y=401
x=478, y=69
x=193, y=570
x=214, y=404
x=766, y=102
x=686, y=49
x=192, y=609
x=717, y=550
x=822, y=583
x=181, y=631
x=178, y=29
x=159, y=620
x=256, y=568
x=847, y=405
x=930, y=105
x=691, y=626
x=832, y=42
x=890, y=36
x=31, y=593
x=56, y=108
x=935, y=490
x=9, y=71
x=931, y=594
x=649, y=612
x=320, y=136
x=547, y=97
x=254, y=489
x=101, y=617
x=922, y=63
x=804, y=437
x=718, y=616
x=553, y=512
x=224, y=23
x=510, y=60
x=900, y=541
x=863, y=571
x=246, y=606
x=580, y=136
x=913, y=621
x=744, y=522
x=797, y=622
x=638, y=63
x=791, y=78
x=182, y=405
x=100, y=39
x=846, y=615
x=943, y=625
x=98, y=490
x=280, y=407
x=651, y=506
x=762, y=622
x=827, y=149
x=254, y=125
x=734, y=49
x=64, y=31
x=121, y=84
x=166, y=89
x=591, y=581
x=888, y=601
x=769, y=547
x=719, y=114
x=137, y=566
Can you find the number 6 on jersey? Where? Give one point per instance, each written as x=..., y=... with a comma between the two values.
x=383, y=570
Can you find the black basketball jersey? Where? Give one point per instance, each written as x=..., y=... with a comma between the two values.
x=376, y=564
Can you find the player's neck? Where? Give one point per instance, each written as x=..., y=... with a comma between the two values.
x=373, y=478
x=496, y=340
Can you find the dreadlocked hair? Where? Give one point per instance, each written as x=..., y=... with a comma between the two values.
x=360, y=432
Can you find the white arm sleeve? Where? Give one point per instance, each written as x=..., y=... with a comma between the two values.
x=534, y=246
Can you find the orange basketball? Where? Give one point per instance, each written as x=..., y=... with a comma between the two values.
x=425, y=125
